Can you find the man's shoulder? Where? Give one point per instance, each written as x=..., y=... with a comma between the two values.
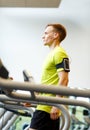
x=60, y=51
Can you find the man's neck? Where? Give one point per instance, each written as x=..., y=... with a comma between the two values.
x=54, y=45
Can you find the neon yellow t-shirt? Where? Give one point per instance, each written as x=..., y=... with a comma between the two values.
x=50, y=72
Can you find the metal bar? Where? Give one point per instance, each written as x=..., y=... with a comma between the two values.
x=2, y=111
x=4, y=119
x=12, y=108
x=10, y=122
x=41, y=99
x=64, y=112
x=13, y=96
x=62, y=121
x=6, y=84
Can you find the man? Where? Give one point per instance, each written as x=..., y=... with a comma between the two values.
x=55, y=72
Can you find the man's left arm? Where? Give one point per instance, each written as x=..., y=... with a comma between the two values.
x=63, y=81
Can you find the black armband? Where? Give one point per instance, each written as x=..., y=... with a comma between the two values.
x=64, y=64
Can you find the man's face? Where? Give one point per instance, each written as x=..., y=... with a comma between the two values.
x=48, y=36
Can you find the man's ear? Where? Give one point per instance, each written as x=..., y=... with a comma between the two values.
x=56, y=35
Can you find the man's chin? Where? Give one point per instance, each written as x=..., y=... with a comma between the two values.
x=45, y=44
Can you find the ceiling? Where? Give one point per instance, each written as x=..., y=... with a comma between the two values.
x=29, y=3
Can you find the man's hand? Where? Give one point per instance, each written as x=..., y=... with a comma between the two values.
x=55, y=113
x=26, y=104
